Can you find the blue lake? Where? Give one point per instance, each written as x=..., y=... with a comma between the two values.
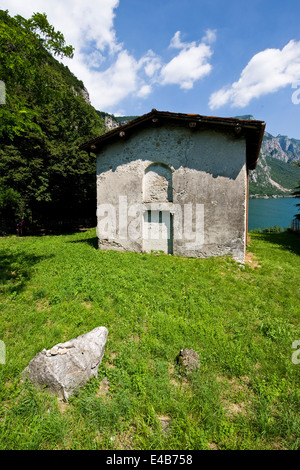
x=265, y=213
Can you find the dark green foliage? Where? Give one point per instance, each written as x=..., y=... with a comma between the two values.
x=297, y=191
x=43, y=121
x=52, y=40
x=283, y=173
x=124, y=119
x=272, y=229
x=119, y=119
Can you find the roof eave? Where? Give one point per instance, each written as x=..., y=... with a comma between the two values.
x=253, y=130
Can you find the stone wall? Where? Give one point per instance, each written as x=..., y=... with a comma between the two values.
x=199, y=177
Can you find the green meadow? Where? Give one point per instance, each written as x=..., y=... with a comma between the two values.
x=243, y=321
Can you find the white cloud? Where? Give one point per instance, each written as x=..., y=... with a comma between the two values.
x=190, y=64
x=109, y=87
x=108, y=70
x=176, y=42
x=267, y=72
x=151, y=64
x=144, y=91
x=187, y=67
x=80, y=22
x=210, y=36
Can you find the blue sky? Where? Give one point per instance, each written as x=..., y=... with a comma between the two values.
x=212, y=57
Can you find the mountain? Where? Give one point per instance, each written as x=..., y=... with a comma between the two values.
x=111, y=121
x=275, y=174
x=281, y=147
x=273, y=177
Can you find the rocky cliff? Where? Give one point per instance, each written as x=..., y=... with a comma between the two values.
x=275, y=173
x=281, y=147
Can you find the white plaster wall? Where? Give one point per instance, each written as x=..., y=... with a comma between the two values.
x=208, y=170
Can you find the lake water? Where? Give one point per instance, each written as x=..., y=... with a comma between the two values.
x=265, y=213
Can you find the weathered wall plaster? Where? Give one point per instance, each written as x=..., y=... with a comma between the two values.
x=182, y=170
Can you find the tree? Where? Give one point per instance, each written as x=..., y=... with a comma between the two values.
x=42, y=123
x=51, y=40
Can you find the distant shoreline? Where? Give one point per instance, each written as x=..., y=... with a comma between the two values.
x=275, y=196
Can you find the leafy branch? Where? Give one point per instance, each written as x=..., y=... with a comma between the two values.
x=52, y=40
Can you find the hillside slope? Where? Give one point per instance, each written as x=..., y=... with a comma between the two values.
x=275, y=174
x=45, y=117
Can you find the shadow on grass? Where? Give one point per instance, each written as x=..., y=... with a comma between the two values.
x=15, y=270
x=287, y=240
x=93, y=242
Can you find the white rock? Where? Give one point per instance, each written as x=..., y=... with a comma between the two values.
x=62, y=351
x=69, y=368
x=54, y=351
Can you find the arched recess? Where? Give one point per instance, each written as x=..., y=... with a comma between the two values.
x=158, y=183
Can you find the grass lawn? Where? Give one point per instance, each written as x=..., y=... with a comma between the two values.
x=242, y=321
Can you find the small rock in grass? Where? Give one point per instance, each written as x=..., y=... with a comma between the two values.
x=189, y=360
